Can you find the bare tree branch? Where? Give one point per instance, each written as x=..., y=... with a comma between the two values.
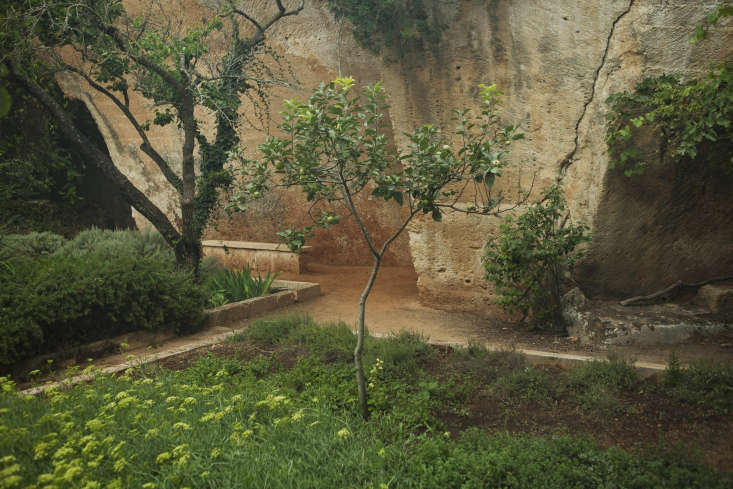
x=146, y=147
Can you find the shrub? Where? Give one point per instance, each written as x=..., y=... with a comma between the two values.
x=595, y=384
x=616, y=373
x=703, y=382
x=530, y=383
x=527, y=261
x=109, y=243
x=32, y=244
x=269, y=332
x=98, y=286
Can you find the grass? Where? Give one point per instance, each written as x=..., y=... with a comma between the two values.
x=596, y=384
x=704, y=383
x=288, y=418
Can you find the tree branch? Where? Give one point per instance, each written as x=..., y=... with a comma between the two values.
x=672, y=288
x=145, y=147
x=131, y=194
x=261, y=28
x=398, y=232
x=350, y=204
x=122, y=44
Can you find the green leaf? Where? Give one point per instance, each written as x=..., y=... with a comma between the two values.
x=437, y=216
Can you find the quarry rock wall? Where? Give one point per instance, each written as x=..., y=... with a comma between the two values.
x=556, y=62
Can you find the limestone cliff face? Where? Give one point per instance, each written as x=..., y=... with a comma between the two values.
x=556, y=61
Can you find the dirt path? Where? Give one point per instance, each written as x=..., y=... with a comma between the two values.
x=393, y=306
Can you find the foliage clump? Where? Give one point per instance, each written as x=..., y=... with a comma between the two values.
x=153, y=429
x=527, y=260
x=31, y=244
x=703, y=382
x=98, y=285
x=400, y=26
x=227, y=286
x=686, y=115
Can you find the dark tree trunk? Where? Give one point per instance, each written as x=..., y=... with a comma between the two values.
x=130, y=193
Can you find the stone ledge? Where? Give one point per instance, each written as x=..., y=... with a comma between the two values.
x=259, y=256
x=251, y=245
x=238, y=311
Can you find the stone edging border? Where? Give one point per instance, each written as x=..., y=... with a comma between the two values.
x=535, y=357
x=237, y=311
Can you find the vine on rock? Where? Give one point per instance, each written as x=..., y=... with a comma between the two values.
x=401, y=26
x=685, y=114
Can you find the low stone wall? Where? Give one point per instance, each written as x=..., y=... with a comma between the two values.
x=238, y=311
x=271, y=257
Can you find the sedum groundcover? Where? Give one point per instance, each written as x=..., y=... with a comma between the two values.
x=224, y=423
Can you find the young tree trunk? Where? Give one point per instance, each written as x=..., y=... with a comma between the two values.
x=358, y=364
x=558, y=320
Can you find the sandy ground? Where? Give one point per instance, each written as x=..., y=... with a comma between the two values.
x=393, y=306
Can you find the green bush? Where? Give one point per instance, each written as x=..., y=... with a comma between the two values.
x=32, y=244
x=595, y=384
x=402, y=26
x=616, y=373
x=527, y=261
x=104, y=242
x=99, y=285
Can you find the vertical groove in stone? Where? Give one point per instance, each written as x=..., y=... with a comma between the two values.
x=568, y=160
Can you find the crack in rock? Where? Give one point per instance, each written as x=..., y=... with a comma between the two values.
x=568, y=160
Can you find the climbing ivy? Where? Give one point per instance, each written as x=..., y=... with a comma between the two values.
x=684, y=113
x=399, y=26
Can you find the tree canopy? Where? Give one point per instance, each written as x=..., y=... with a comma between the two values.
x=186, y=68
x=336, y=147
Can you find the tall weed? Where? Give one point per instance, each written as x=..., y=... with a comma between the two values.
x=229, y=286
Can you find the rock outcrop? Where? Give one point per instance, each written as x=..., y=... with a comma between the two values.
x=556, y=61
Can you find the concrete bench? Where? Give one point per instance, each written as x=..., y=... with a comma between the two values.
x=271, y=257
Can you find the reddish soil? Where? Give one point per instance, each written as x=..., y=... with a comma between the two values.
x=643, y=420
x=393, y=306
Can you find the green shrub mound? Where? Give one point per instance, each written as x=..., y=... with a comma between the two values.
x=104, y=242
x=31, y=244
x=98, y=285
x=527, y=260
